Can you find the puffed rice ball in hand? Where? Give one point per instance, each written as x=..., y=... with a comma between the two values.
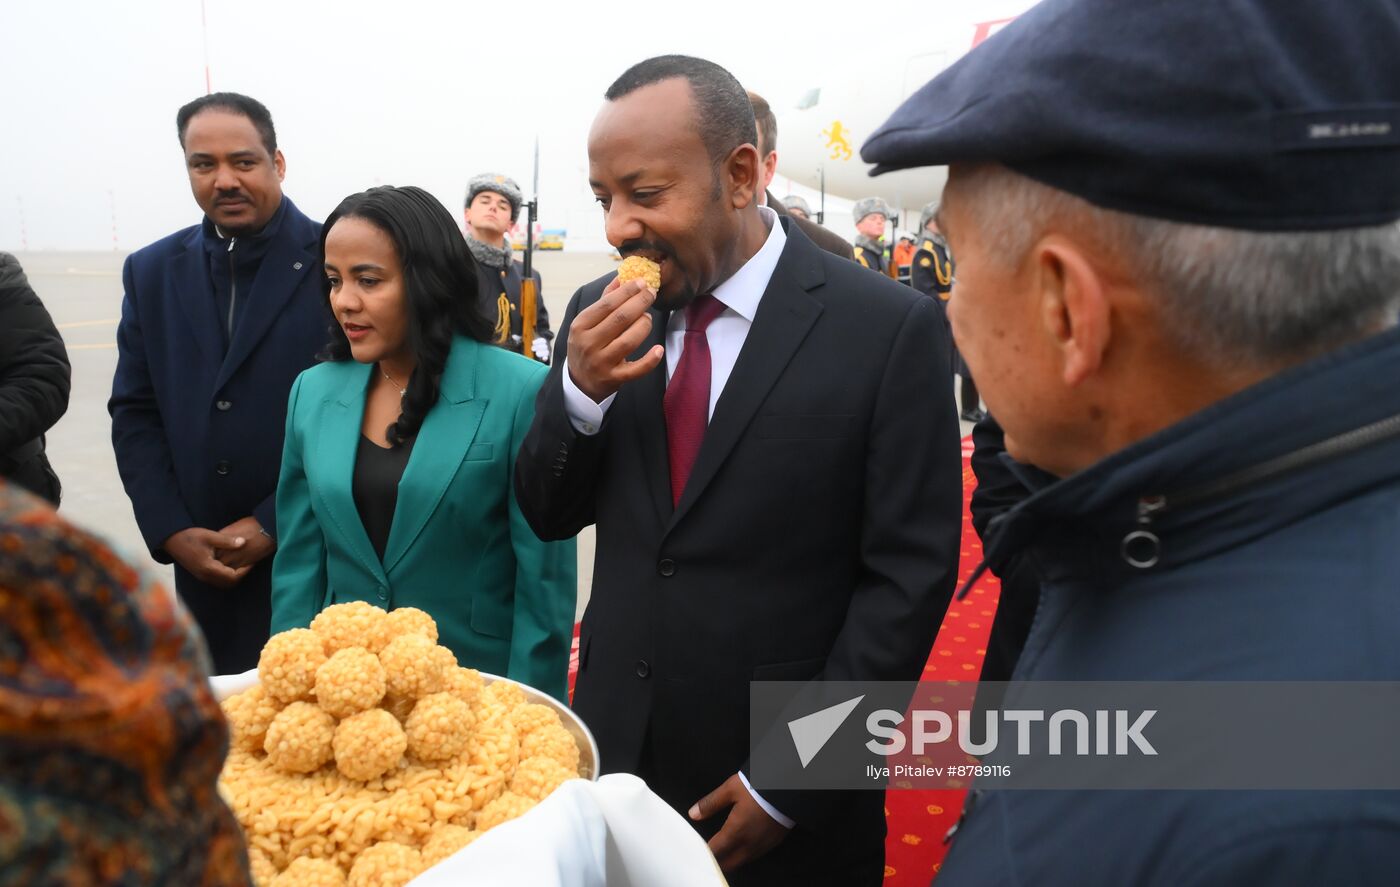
x=351, y=681
x=369, y=744
x=288, y=664
x=446, y=840
x=551, y=742
x=356, y=624
x=537, y=777
x=299, y=738
x=249, y=714
x=640, y=268
x=308, y=872
x=411, y=667
x=438, y=727
x=410, y=620
x=505, y=808
x=464, y=683
x=386, y=864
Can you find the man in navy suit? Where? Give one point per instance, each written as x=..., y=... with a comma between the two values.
x=769, y=449
x=217, y=321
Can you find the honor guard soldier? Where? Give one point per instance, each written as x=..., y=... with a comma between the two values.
x=797, y=207
x=493, y=206
x=933, y=266
x=870, y=215
x=933, y=275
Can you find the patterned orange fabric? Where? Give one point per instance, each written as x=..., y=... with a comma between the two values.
x=111, y=741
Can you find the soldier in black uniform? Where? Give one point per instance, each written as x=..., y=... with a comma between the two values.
x=493, y=206
x=870, y=215
x=933, y=274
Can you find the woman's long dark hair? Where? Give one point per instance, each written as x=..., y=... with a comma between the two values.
x=439, y=284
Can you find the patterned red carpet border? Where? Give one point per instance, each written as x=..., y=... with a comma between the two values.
x=918, y=820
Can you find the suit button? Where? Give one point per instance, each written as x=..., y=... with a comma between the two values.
x=383, y=594
x=667, y=567
x=221, y=469
x=643, y=668
x=224, y=405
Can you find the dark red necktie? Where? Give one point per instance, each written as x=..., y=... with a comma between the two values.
x=687, y=403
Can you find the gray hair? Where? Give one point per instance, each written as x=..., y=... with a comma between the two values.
x=1230, y=297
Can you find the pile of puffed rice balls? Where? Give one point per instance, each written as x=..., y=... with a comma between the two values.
x=366, y=755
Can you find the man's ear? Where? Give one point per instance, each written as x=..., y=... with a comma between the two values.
x=281, y=163
x=744, y=171
x=1074, y=306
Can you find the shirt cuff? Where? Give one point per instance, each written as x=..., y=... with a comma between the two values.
x=768, y=808
x=584, y=414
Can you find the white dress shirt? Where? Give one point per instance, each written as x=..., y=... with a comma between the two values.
x=726, y=334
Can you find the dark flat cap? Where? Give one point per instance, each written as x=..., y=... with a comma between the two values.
x=1258, y=114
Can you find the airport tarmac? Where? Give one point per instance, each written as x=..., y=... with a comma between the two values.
x=83, y=292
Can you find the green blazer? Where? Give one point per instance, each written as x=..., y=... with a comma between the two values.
x=458, y=547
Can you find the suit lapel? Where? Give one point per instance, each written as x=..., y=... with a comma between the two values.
x=282, y=270
x=785, y=315
x=442, y=444
x=189, y=279
x=650, y=393
x=338, y=443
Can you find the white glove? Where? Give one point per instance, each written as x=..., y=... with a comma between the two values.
x=541, y=348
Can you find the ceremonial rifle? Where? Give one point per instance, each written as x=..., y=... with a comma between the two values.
x=528, y=293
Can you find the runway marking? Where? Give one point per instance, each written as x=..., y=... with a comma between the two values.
x=91, y=347
x=77, y=323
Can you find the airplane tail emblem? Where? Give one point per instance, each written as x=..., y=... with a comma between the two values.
x=837, y=141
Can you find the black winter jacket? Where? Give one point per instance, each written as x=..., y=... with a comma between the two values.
x=34, y=381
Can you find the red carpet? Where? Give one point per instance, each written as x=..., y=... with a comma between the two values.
x=918, y=820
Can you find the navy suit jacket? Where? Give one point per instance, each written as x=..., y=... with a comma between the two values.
x=197, y=430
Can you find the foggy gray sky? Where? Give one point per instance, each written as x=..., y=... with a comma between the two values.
x=362, y=93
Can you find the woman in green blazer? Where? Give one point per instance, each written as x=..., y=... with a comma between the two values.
x=396, y=474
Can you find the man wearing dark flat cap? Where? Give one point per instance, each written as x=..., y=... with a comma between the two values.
x=1178, y=275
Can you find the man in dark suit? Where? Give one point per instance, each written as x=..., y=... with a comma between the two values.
x=770, y=453
x=217, y=321
x=767, y=125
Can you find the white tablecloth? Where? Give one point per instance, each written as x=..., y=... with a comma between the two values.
x=611, y=833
